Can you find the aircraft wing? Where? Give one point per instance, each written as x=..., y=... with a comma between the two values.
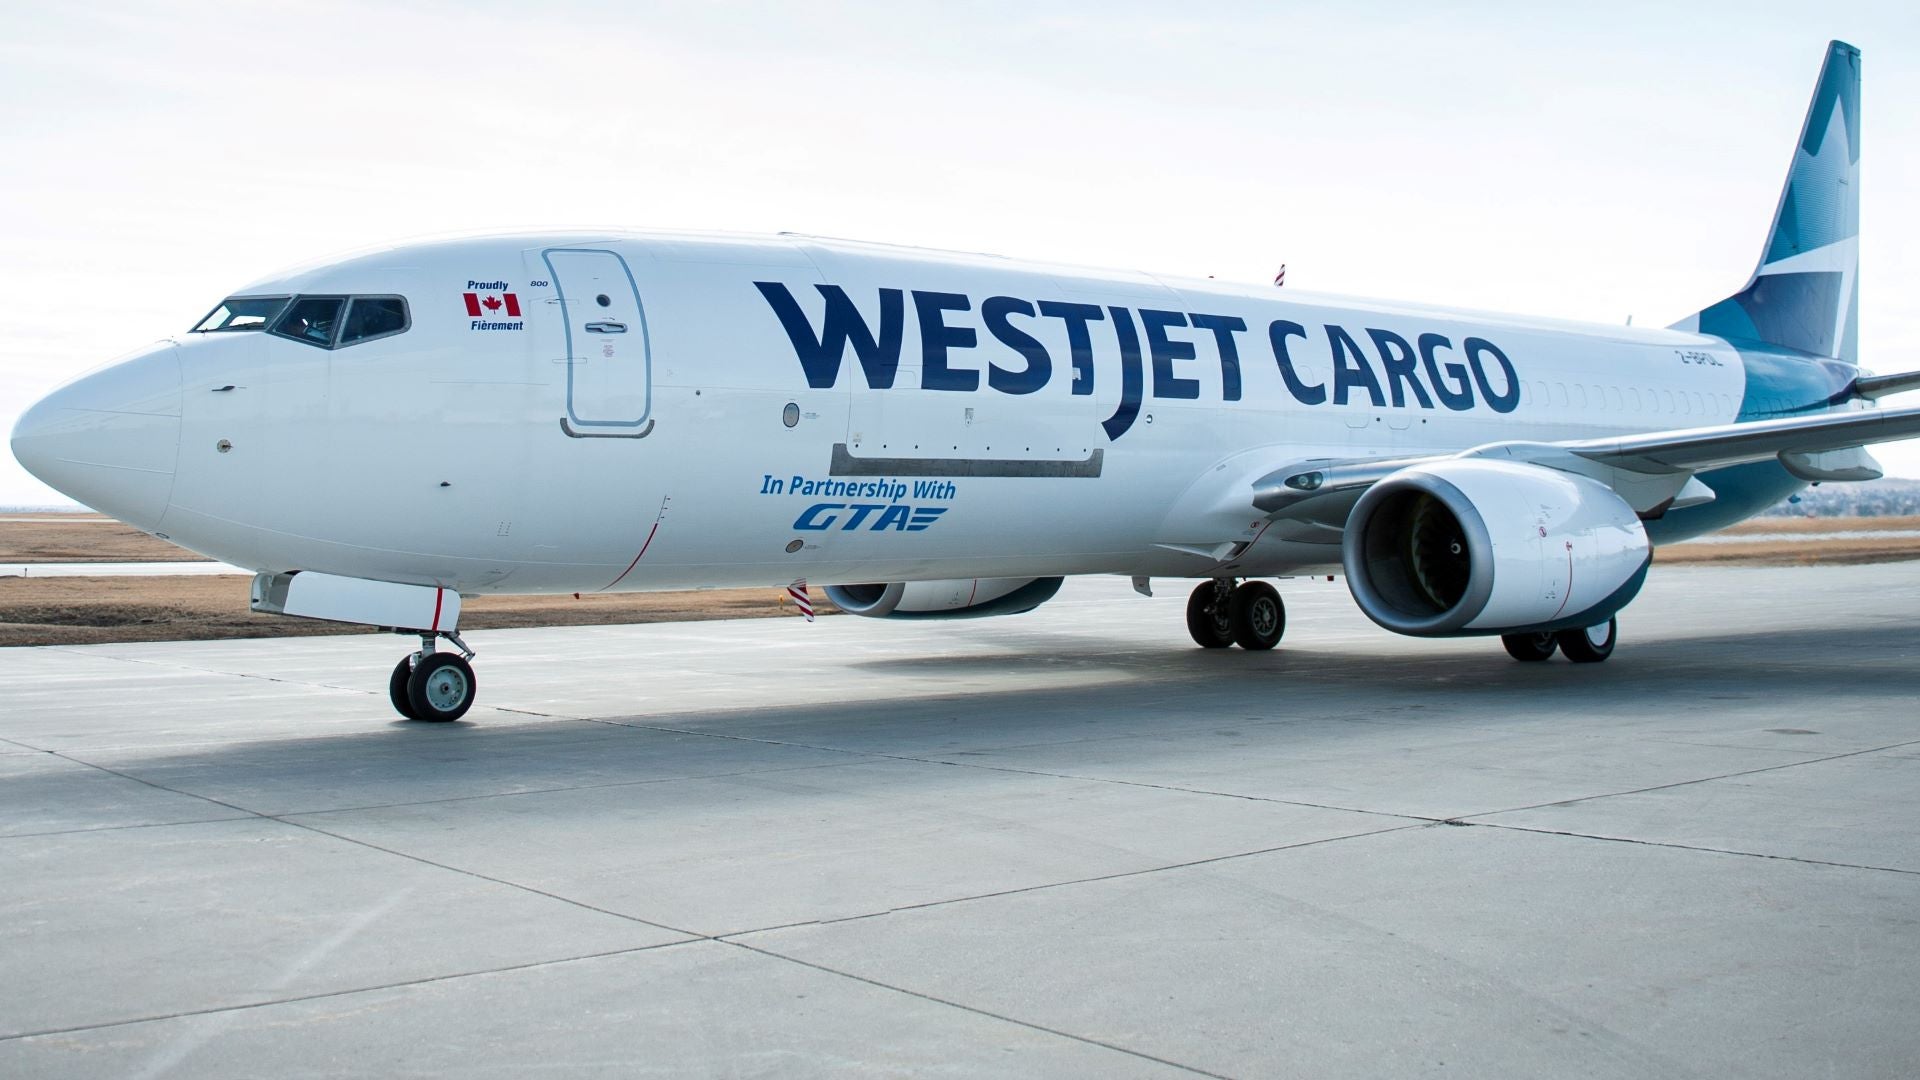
x=1694, y=449
x=1651, y=471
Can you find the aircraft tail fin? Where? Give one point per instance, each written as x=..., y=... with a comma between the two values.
x=1805, y=294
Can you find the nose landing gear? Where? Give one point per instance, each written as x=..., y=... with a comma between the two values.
x=1250, y=615
x=434, y=686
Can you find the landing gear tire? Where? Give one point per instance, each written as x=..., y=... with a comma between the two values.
x=1257, y=615
x=1208, y=619
x=397, y=688
x=441, y=687
x=1530, y=647
x=1590, y=645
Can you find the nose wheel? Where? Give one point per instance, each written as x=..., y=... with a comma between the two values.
x=433, y=686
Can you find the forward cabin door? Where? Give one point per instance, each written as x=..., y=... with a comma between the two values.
x=609, y=355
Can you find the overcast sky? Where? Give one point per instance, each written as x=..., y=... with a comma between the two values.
x=1624, y=161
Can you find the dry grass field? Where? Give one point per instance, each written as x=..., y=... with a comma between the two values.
x=31, y=538
x=88, y=610
x=94, y=610
x=1773, y=542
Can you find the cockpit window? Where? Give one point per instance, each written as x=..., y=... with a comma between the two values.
x=372, y=317
x=242, y=313
x=326, y=322
x=311, y=319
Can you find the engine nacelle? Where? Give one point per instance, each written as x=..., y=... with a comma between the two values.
x=1472, y=546
x=959, y=598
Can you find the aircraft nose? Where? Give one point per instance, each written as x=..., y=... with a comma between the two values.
x=109, y=439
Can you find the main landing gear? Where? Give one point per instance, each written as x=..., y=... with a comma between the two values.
x=434, y=686
x=1249, y=615
x=1584, y=646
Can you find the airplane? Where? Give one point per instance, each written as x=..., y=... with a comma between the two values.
x=949, y=435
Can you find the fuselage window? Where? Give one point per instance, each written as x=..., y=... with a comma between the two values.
x=311, y=320
x=241, y=313
x=372, y=317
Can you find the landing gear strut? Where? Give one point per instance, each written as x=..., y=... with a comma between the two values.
x=1250, y=615
x=434, y=686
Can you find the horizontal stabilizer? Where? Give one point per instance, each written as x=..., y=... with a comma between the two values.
x=1874, y=387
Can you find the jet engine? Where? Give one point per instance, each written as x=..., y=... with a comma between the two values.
x=959, y=598
x=1470, y=546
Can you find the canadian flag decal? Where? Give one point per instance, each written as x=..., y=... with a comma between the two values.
x=479, y=304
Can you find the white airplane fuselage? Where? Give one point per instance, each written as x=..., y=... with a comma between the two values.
x=999, y=449
x=939, y=435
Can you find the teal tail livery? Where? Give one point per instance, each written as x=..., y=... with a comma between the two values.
x=1805, y=294
x=940, y=435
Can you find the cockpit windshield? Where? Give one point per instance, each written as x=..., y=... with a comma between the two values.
x=242, y=313
x=312, y=320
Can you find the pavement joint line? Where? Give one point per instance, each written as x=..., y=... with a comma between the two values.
x=250, y=814
x=207, y=670
x=1343, y=718
x=286, y=820
x=1467, y=819
x=1721, y=746
x=123, y=828
x=725, y=935
x=296, y=999
x=1417, y=818
x=574, y=787
x=1682, y=847
x=1119, y=875
x=255, y=815
x=910, y=758
x=689, y=937
x=475, y=874
x=977, y=1011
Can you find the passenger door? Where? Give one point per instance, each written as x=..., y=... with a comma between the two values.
x=609, y=355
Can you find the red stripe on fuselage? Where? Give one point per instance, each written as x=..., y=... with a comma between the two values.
x=636, y=559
